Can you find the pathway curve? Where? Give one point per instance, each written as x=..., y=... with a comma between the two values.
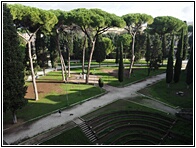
x=31, y=129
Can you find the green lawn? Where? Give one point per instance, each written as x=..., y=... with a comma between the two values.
x=105, y=62
x=76, y=137
x=183, y=128
x=109, y=61
x=71, y=137
x=54, y=101
x=53, y=75
x=122, y=105
x=161, y=92
x=138, y=74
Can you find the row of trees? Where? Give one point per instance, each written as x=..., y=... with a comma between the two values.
x=81, y=31
x=55, y=24
x=90, y=24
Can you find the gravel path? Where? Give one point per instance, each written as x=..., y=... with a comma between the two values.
x=31, y=129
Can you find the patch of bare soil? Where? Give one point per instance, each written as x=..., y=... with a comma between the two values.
x=43, y=89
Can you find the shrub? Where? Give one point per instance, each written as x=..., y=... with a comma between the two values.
x=100, y=82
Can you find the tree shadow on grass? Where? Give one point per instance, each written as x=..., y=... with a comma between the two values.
x=50, y=103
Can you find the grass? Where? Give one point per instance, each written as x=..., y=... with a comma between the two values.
x=54, y=101
x=53, y=75
x=28, y=83
x=121, y=105
x=105, y=62
x=109, y=61
x=139, y=74
x=76, y=137
x=183, y=128
x=71, y=137
x=161, y=92
x=184, y=133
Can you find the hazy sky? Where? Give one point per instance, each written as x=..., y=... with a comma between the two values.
x=181, y=10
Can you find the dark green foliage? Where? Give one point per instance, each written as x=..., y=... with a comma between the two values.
x=148, y=49
x=179, y=54
x=103, y=47
x=69, y=42
x=164, y=47
x=114, y=38
x=13, y=67
x=41, y=51
x=169, y=71
x=166, y=24
x=121, y=66
x=140, y=46
x=32, y=18
x=190, y=40
x=185, y=41
x=77, y=47
x=189, y=68
x=100, y=52
x=117, y=58
x=52, y=47
x=156, y=52
x=177, y=70
x=101, y=82
x=185, y=49
x=125, y=40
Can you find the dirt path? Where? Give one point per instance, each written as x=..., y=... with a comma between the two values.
x=31, y=129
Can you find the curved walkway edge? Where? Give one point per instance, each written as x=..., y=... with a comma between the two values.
x=53, y=120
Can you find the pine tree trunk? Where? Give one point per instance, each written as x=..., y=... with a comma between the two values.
x=14, y=117
x=44, y=71
x=89, y=63
x=132, y=56
x=64, y=68
x=32, y=72
x=131, y=65
x=59, y=50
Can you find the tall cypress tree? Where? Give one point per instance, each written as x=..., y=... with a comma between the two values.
x=185, y=49
x=121, y=67
x=179, y=53
x=164, y=47
x=117, y=60
x=148, y=49
x=156, y=52
x=13, y=67
x=169, y=71
x=100, y=51
x=52, y=47
x=186, y=42
x=189, y=68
